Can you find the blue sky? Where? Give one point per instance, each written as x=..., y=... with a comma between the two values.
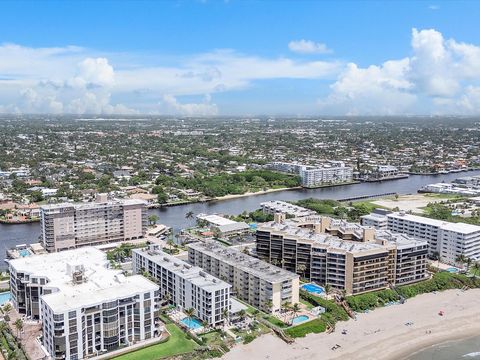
x=240, y=57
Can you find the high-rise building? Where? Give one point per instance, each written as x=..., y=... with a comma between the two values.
x=345, y=256
x=85, y=308
x=447, y=239
x=187, y=286
x=254, y=281
x=317, y=176
x=67, y=226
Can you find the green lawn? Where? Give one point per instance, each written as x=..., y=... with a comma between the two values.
x=315, y=326
x=176, y=344
x=275, y=321
x=307, y=304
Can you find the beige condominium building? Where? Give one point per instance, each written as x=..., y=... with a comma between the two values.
x=346, y=256
x=86, y=309
x=67, y=226
x=254, y=281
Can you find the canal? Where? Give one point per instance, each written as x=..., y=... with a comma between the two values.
x=11, y=235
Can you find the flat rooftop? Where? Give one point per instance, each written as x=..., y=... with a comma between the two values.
x=93, y=204
x=100, y=283
x=462, y=228
x=291, y=230
x=247, y=263
x=216, y=219
x=282, y=206
x=193, y=274
x=402, y=241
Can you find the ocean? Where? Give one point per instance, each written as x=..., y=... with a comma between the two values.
x=466, y=349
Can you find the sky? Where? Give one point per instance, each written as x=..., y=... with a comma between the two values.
x=240, y=57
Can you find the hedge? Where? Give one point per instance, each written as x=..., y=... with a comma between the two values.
x=332, y=310
x=440, y=281
x=315, y=326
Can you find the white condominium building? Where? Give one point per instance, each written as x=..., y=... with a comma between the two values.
x=256, y=282
x=377, y=219
x=313, y=177
x=276, y=206
x=445, y=238
x=86, y=308
x=187, y=286
x=67, y=226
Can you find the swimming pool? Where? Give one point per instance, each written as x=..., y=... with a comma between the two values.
x=191, y=323
x=452, y=270
x=313, y=289
x=4, y=297
x=24, y=252
x=299, y=319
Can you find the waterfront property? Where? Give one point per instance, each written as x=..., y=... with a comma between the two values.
x=365, y=260
x=85, y=308
x=186, y=286
x=447, y=239
x=67, y=226
x=272, y=207
x=318, y=176
x=254, y=281
x=223, y=226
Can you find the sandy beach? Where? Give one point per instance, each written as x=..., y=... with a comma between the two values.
x=382, y=333
x=234, y=196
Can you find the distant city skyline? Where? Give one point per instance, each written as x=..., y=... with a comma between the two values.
x=206, y=58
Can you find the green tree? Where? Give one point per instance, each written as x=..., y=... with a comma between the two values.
x=162, y=197
x=152, y=219
x=18, y=326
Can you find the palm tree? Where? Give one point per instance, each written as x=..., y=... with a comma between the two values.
x=461, y=259
x=469, y=262
x=18, y=326
x=269, y=305
x=286, y=307
x=226, y=315
x=476, y=267
x=189, y=312
x=302, y=268
x=295, y=310
x=166, y=298
x=6, y=309
x=242, y=314
x=170, y=244
x=327, y=289
x=189, y=215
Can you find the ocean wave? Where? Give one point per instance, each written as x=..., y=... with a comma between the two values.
x=473, y=354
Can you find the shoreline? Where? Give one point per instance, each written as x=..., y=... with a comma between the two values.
x=464, y=335
x=262, y=192
x=381, y=333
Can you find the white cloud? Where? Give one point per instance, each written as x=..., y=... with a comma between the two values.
x=84, y=81
x=308, y=47
x=436, y=78
x=87, y=90
x=206, y=108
